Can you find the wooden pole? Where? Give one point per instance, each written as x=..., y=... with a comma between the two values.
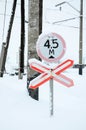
x=22, y=40
x=34, y=29
x=5, y=47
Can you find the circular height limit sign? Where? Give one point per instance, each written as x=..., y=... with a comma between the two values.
x=50, y=47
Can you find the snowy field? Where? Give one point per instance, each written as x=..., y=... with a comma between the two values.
x=20, y=112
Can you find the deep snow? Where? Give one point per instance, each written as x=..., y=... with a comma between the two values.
x=19, y=111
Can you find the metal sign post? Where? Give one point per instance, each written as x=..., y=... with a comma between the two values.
x=51, y=96
x=48, y=74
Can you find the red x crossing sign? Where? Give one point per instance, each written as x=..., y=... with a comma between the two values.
x=47, y=73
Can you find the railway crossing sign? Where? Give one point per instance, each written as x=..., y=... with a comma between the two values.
x=50, y=47
x=48, y=73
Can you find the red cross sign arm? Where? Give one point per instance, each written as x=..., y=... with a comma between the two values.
x=48, y=73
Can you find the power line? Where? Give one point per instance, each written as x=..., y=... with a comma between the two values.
x=75, y=27
x=61, y=24
x=8, y=15
x=66, y=2
x=68, y=26
x=65, y=12
x=10, y=2
x=65, y=20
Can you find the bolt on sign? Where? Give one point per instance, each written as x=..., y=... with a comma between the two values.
x=50, y=48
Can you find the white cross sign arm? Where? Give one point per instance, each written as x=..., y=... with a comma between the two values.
x=38, y=66
x=35, y=83
x=63, y=80
x=63, y=66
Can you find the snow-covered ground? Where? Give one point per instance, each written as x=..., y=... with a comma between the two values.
x=20, y=112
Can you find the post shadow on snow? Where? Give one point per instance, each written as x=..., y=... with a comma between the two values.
x=34, y=93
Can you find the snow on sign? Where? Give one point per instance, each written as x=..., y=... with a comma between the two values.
x=48, y=73
x=50, y=47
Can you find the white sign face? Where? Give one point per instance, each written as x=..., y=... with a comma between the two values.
x=50, y=47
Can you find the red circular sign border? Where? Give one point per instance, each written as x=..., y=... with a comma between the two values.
x=43, y=57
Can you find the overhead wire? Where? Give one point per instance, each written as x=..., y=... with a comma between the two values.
x=8, y=15
x=64, y=20
x=10, y=2
x=65, y=12
x=69, y=26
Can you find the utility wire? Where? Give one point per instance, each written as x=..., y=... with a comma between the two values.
x=61, y=24
x=68, y=26
x=75, y=27
x=8, y=15
x=65, y=20
x=10, y=2
x=4, y=19
x=58, y=10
